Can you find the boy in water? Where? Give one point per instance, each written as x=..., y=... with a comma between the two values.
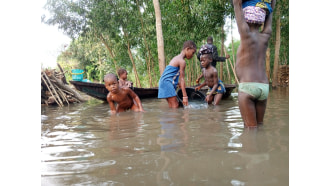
x=123, y=82
x=215, y=57
x=253, y=88
x=170, y=77
x=124, y=97
x=216, y=86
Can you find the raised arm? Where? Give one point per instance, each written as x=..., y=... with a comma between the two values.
x=243, y=27
x=216, y=56
x=268, y=22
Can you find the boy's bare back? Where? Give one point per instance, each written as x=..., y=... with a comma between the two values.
x=178, y=61
x=251, y=54
x=253, y=88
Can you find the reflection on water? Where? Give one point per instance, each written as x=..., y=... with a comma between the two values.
x=83, y=144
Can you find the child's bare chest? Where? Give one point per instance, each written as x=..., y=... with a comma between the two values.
x=120, y=97
x=208, y=74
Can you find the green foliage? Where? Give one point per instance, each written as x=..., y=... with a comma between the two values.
x=105, y=31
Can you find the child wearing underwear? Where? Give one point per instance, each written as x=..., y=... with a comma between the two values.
x=250, y=67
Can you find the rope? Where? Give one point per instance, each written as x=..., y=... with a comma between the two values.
x=77, y=73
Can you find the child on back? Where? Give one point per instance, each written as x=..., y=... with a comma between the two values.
x=216, y=86
x=124, y=97
x=174, y=73
x=123, y=82
x=250, y=68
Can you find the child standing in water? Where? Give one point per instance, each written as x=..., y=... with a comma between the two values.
x=124, y=97
x=172, y=73
x=250, y=66
x=210, y=73
x=123, y=82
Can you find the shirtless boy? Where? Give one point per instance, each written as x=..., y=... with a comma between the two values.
x=123, y=82
x=172, y=73
x=216, y=86
x=124, y=97
x=250, y=66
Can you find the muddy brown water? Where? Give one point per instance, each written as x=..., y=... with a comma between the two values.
x=82, y=144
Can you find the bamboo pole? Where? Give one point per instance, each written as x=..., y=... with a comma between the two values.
x=51, y=85
x=48, y=86
x=62, y=94
x=51, y=92
x=232, y=68
x=232, y=42
x=67, y=88
x=63, y=78
x=228, y=71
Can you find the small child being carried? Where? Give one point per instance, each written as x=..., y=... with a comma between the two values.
x=123, y=82
x=124, y=97
x=216, y=86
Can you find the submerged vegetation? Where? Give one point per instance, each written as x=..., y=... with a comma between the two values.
x=107, y=35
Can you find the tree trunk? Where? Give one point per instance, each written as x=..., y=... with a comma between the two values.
x=222, y=51
x=232, y=42
x=277, y=47
x=160, y=40
x=268, y=63
x=232, y=68
x=148, y=53
x=137, y=80
x=63, y=78
x=109, y=50
x=228, y=71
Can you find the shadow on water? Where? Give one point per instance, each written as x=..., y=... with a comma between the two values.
x=82, y=144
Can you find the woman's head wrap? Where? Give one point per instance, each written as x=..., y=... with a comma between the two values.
x=254, y=14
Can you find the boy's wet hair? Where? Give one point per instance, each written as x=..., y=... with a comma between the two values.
x=189, y=44
x=121, y=71
x=110, y=76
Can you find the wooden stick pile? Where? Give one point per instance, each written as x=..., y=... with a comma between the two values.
x=283, y=75
x=54, y=89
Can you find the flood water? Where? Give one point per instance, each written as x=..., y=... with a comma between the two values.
x=82, y=144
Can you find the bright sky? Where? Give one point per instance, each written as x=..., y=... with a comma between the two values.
x=52, y=41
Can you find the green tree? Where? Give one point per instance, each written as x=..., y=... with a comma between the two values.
x=108, y=35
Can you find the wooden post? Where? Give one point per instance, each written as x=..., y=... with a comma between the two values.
x=232, y=42
x=222, y=51
x=277, y=47
x=268, y=63
x=160, y=40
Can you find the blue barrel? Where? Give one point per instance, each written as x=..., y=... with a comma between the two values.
x=77, y=74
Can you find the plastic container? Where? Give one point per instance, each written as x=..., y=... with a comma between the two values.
x=192, y=95
x=77, y=74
